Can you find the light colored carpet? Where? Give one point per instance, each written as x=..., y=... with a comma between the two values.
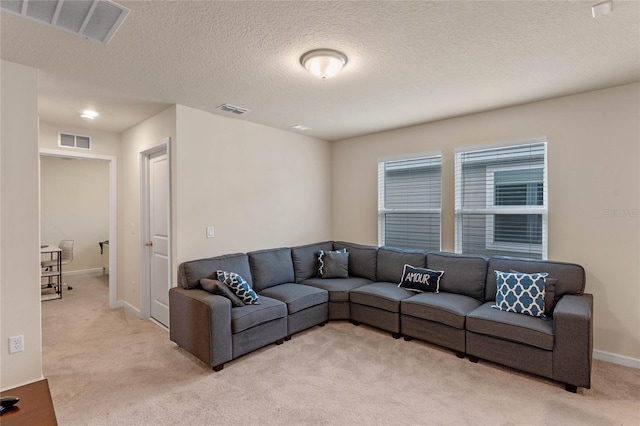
x=107, y=367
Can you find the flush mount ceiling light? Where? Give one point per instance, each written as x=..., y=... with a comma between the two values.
x=89, y=114
x=323, y=63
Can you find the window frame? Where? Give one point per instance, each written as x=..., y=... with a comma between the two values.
x=490, y=208
x=490, y=242
x=383, y=211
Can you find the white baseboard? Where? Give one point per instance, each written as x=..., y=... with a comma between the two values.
x=92, y=271
x=627, y=361
x=130, y=308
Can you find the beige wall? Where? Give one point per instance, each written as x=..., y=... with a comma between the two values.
x=74, y=205
x=593, y=153
x=134, y=141
x=259, y=187
x=20, y=228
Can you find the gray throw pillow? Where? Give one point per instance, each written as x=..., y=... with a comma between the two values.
x=221, y=289
x=336, y=265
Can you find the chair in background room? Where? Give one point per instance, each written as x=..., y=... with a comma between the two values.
x=67, y=256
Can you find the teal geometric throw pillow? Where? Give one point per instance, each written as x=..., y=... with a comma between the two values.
x=239, y=286
x=521, y=293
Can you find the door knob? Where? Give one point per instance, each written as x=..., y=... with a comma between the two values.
x=148, y=243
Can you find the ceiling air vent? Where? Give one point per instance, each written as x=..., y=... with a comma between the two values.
x=233, y=109
x=96, y=20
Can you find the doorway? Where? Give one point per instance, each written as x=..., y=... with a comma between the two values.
x=155, y=220
x=112, y=209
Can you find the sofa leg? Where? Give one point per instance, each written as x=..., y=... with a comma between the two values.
x=396, y=335
x=571, y=388
x=354, y=322
x=218, y=367
x=287, y=338
x=473, y=359
x=460, y=354
x=280, y=341
x=408, y=338
x=322, y=324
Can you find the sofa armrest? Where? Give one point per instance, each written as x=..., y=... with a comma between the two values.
x=200, y=323
x=573, y=350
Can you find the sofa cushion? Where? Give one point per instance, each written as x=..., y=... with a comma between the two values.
x=271, y=267
x=362, y=259
x=571, y=277
x=334, y=265
x=221, y=289
x=190, y=273
x=463, y=274
x=381, y=295
x=338, y=288
x=239, y=286
x=520, y=293
x=519, y=328
x=445, y=308
x=305, y=259
x=420, y=279
x=249, y=316
x=297, y=296
x=391, y=262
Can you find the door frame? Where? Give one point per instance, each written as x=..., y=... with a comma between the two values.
x=145, y=277
x=113, y=211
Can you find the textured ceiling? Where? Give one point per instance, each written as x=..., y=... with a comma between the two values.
x=409, y=62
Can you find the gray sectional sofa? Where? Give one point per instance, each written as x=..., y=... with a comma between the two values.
x=460, y=317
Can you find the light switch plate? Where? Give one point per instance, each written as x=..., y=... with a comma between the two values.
x=210, y=233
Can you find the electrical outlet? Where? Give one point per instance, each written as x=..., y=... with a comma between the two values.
x=16, y=344
x=210, y=233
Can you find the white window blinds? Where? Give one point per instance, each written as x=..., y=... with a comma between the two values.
x=501, y=201
x=409, y=202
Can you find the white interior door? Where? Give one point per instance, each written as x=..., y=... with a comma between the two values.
x=158, y=242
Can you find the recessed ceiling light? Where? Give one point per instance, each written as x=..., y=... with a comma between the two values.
x=300, y=127
x=89, y=114
x=601, y=9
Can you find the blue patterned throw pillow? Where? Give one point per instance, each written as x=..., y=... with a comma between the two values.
x=420, y=279
x=239, y=286
x=521, y=293
x=320, y=254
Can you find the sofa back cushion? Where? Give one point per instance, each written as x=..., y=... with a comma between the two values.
x=571, y=277
x=271, y=267
x=305, y=260
x=362, y=259
x=190, y=273
x=391, y=261
x=463, y=274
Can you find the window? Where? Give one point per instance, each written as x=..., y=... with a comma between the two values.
x=501, y=201
x=70, y=140
x=409, y=202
